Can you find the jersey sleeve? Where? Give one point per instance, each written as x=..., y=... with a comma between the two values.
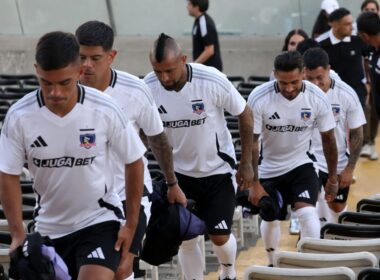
x=149, y=118
x=257, y=113
x=230, y=99
x=124, y=140
x=355, y=113
x=208, y=32
x=12, y=150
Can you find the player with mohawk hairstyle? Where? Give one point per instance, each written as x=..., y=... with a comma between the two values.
x=191, y=99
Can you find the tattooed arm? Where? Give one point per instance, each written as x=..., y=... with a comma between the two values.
x=162, y=151
x=356, y=140
x=256, y=191
x=244, y=175
x=331, y=154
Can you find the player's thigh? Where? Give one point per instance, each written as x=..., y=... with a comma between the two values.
x=93, y=245
x=305, y=185
x=219, y=204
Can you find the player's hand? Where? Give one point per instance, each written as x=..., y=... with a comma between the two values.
x=123, y=243
x=345, y=178
x=256, y=192
x=17, y=240
x=176, y=195
x=244, y=175
x=331, y=189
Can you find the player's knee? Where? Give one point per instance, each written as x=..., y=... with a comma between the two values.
x=337, y=207
x=219, y=240
x=299, y=205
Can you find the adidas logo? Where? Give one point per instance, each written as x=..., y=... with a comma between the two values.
x=339, y=197
x=221, y=225
x=162, y=110
x=275, y=116
x=305, y=194
x=39, y=142
x=96, y=254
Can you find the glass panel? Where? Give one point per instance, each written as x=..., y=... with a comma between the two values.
x=41, y=16
x=9, y=20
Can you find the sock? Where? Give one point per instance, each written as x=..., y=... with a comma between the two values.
x=323, y=209
x=226, y=256
x=130, y=277
x=309, y=222
x=334, y=216
x=190, y=258
x=271, y=234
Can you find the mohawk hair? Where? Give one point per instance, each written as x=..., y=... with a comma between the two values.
x=160, y=47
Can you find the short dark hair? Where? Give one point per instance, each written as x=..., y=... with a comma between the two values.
x=338, y=14
x=306, y=44
x=290, y=34
x=95, y=33
x=369, y=22
x=202, y=4
x=316, y=57
x=366, y=2
x=56, y=50
x=288, y=61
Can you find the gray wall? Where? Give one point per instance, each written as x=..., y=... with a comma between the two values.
x=251, y=31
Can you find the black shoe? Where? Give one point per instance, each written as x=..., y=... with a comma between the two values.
x=227, y=278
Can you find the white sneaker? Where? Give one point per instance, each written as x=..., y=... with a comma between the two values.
x=294, y=225
x=373, y=154
x=365, y=151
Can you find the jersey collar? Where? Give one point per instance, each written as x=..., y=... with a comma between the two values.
x=332, y=85
x=189, y=77
x=81, y=94
x=113, y=78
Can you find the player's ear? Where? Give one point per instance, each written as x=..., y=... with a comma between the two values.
x=184, y=59
x=112, y=54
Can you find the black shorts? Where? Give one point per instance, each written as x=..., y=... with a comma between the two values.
x=342, y=194
x=298, y=185
x=136, y=244
x=91, y=245
x=215, y=199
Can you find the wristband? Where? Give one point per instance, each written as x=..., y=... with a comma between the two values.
x=172, y=184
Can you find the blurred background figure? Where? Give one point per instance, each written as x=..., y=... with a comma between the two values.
x=370, y=129
x=321, y=24
x=206, y=48
x=293, y=38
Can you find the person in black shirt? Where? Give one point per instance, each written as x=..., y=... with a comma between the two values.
x=369, y=30
x=206, y=48
x=346, y=52
x=371, y=128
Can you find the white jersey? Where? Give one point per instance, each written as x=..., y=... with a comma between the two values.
x=286, y=126
x=136, y=101
x=68, y=157
x=348, y=114
x=194, y=120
